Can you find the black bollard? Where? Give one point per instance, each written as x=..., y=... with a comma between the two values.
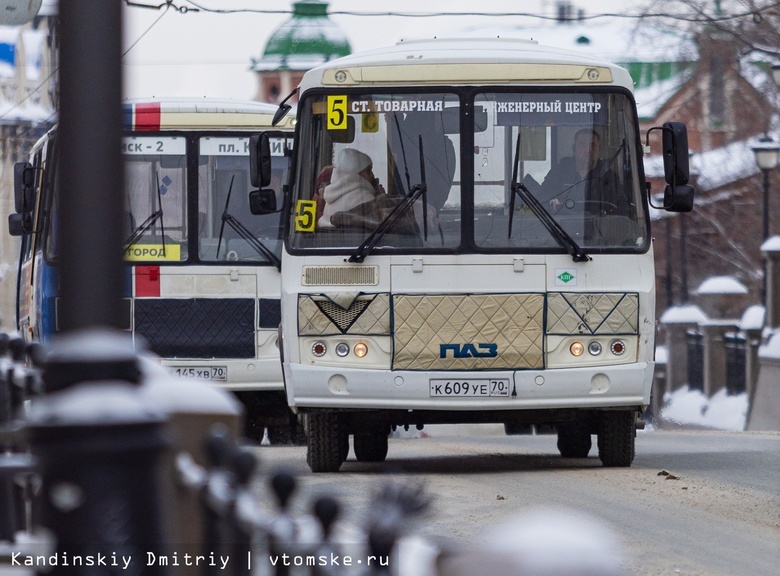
x=99, y=445
x=217, y=495
x=101, y=478
x=244, y=465
x=282, y=534
x=326, y=510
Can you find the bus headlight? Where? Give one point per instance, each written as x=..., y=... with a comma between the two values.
x=319, y=349
x=361, y=349
x=576, y=349
x=342, y=349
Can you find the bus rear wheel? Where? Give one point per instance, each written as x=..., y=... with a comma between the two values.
x=617, y=438
x=324, y=442
x=574, y=439
x=370, y=446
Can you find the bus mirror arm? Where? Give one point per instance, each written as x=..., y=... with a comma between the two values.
x=283, y=109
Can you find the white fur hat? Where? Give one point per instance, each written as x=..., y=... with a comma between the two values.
x=351, y=160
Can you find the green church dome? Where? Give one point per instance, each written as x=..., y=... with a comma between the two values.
x=306, y=40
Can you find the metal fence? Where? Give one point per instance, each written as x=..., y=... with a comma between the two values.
x=695, y=341
x=736, y=346
x=92, y=481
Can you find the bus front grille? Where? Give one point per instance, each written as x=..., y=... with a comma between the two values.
x=197, y=327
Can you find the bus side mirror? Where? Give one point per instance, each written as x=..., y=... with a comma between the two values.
x=675, y=145
x=23, y=187
x=259, y=160
x=20, y=224
x=262, y=202
x=678, y=195
x=678, y=198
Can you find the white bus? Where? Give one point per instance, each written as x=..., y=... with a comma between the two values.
x=202, y=281
x=495, y=273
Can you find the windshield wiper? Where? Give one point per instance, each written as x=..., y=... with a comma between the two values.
x=149, y=222
x=551, y=224
x=400, y=209
x=245, y=233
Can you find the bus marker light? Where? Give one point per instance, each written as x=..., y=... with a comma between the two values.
x=618, y=347
x=577, y=349
x=319, y=349
x=594, y=348
x=342, y=349
x=361, y=349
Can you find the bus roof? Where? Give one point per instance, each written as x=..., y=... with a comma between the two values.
x=153, y=114
x=467, y=61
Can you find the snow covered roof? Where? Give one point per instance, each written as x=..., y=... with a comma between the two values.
x=686, y=314
x=752, y=318
x=721, y=285
x=772, y=348
x=771, y=244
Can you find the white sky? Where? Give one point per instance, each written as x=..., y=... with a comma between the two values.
x=207, y=54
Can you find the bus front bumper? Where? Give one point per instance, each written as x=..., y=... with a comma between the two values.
x=600, y=387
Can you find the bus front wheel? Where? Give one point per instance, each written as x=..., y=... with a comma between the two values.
x=617, y=438
x=324, y=442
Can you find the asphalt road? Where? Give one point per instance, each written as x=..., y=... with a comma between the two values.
x=716, y=513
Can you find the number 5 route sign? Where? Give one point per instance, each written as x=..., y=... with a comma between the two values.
x=337, y=112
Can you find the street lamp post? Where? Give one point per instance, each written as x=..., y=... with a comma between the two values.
x=767, y=153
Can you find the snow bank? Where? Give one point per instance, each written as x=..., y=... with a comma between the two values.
x=721, y=411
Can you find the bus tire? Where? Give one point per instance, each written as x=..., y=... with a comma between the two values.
x=279, y=435
x=343, y=446
x=616, y=438
x=370, y=446
x=512, y=428
x=574, y=440
x=323, y=442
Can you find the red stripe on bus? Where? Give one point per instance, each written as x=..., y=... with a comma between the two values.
x=147, y=116
x=147, y=281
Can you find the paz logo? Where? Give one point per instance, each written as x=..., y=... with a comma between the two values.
x=564, y=277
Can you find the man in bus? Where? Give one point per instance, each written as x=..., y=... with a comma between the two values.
x=584, y=181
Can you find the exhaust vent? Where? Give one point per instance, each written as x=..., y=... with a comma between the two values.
x=340, y=276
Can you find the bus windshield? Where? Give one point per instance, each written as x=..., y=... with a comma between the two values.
x=450, y=171
x=162, y=192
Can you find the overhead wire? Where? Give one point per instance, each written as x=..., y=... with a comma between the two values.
x=697, y=17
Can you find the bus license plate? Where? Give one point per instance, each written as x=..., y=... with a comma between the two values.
x=470, y=388
x=218, y=373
